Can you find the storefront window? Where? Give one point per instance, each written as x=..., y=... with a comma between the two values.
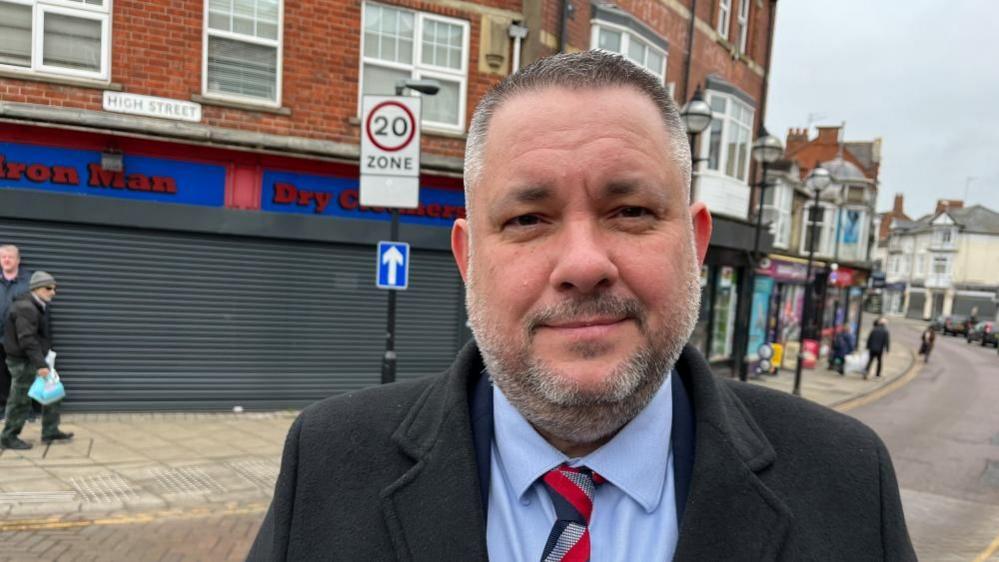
x=699, y=338
x=723, y=320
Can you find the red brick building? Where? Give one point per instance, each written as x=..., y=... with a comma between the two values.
x=202, y=157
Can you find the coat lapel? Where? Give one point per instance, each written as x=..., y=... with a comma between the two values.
x=434, y=510
x=728, y=504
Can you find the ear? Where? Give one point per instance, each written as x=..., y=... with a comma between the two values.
x=459, y=246
x=700, y=219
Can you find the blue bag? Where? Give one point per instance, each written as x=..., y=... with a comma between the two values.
x=47, y=390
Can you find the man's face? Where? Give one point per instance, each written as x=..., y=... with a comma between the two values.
x=46, y=293
x=9, y=260
x=579, y=256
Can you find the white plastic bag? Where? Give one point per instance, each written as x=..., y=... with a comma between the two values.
x=856, y=362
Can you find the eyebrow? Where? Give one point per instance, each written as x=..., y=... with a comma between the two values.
x=527, y=195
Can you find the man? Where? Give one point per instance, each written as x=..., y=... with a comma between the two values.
x=13, y=282
x=578, y=426
x=878, y=343
x=27, y=340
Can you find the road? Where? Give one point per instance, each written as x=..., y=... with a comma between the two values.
x=942, y=430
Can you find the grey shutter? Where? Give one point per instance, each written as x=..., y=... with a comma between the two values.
x=148, y=319
x=916, y=303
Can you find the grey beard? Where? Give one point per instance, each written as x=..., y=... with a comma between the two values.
x=560, y=409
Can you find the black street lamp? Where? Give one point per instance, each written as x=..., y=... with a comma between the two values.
x=816, y=181
x=767, y=149
x=696, y=116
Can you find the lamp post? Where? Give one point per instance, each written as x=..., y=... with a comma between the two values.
x=816, y=181
x=696, y=116
x=427, y=87
x=766, y=150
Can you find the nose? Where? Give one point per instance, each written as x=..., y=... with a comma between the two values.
x=583, y=261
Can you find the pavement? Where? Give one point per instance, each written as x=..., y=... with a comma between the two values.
x=845, y=392
x=142, y=473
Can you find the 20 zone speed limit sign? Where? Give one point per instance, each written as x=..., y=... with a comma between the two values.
x=390, y=152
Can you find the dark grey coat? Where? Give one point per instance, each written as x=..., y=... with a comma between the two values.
x=9, y=290
x=879, y=340
x=389, y=473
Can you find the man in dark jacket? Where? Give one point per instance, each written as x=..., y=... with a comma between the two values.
x=13, y=282
x=878, y=343
x=27, y=340
x=577, y=425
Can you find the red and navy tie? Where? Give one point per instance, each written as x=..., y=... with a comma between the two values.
x=571, y=490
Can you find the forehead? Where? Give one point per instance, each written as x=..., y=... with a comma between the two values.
x=555, y=134
x=8, y=251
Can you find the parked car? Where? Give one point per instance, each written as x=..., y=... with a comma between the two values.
x=983, y=332
x=937, y=324
x=955, y=324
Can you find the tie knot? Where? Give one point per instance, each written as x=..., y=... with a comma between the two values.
x=571, y=490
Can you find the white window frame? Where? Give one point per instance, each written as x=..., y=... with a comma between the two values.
x=729, y=124
x=724, y=17
x=627, y=36
x=827, y=228
x=206, y=32
x=946, y=263
x=418, y=70
x=39, y=8
x=780, y=212
x=742, y=21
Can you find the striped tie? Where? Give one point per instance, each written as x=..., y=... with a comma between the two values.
x=571, y=490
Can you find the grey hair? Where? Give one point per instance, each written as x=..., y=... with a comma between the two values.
x=574, y=71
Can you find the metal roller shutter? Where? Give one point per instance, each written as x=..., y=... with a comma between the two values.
x=150, y=319
x=964, y=304
x=917, y=301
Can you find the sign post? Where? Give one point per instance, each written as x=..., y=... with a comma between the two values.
x=390, y=177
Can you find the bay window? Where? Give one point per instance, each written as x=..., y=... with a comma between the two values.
x=60, y=37
x=730, y=136
x=242, y=55
x=823, y=219
x=400, y=44
x=617, y=39
x=777, y=202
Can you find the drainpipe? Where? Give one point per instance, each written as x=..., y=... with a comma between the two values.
x=690, y=50
x=518, y=32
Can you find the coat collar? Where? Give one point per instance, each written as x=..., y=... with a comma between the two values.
x=434, y=510
x=728, y=504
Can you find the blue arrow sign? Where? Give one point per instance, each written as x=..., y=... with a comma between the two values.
x=393, y=265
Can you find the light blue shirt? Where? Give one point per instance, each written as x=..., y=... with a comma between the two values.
x=634, y=512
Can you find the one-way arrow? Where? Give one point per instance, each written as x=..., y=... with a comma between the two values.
x=394, y=259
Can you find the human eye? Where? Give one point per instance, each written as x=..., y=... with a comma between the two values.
x=522, y=221
x=634, y=212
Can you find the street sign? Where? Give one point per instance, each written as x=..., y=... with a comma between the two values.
x=393, y=265
x=390, y=151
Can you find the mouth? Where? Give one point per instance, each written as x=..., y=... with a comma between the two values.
x=585, y=328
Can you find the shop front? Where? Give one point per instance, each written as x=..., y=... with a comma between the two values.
x=195, y=277
x=724, y=293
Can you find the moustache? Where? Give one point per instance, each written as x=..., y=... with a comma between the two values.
x=573, y=309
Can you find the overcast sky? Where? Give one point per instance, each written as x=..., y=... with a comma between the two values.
x=921, y=74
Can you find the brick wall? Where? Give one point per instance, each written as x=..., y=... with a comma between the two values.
x=157, y=47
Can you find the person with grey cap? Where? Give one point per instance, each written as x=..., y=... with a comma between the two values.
x=13, y=282
x=27, y=340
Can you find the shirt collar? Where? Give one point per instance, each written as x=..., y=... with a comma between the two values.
x=635, y=460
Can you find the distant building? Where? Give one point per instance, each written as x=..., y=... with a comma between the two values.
x=844, y=228
x=946, y=262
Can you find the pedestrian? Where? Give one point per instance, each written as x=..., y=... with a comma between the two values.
x=27, y=340
x=927, y=340
x=843, y=345
x=878, y=343
x=577, y=400
x=13, y=282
